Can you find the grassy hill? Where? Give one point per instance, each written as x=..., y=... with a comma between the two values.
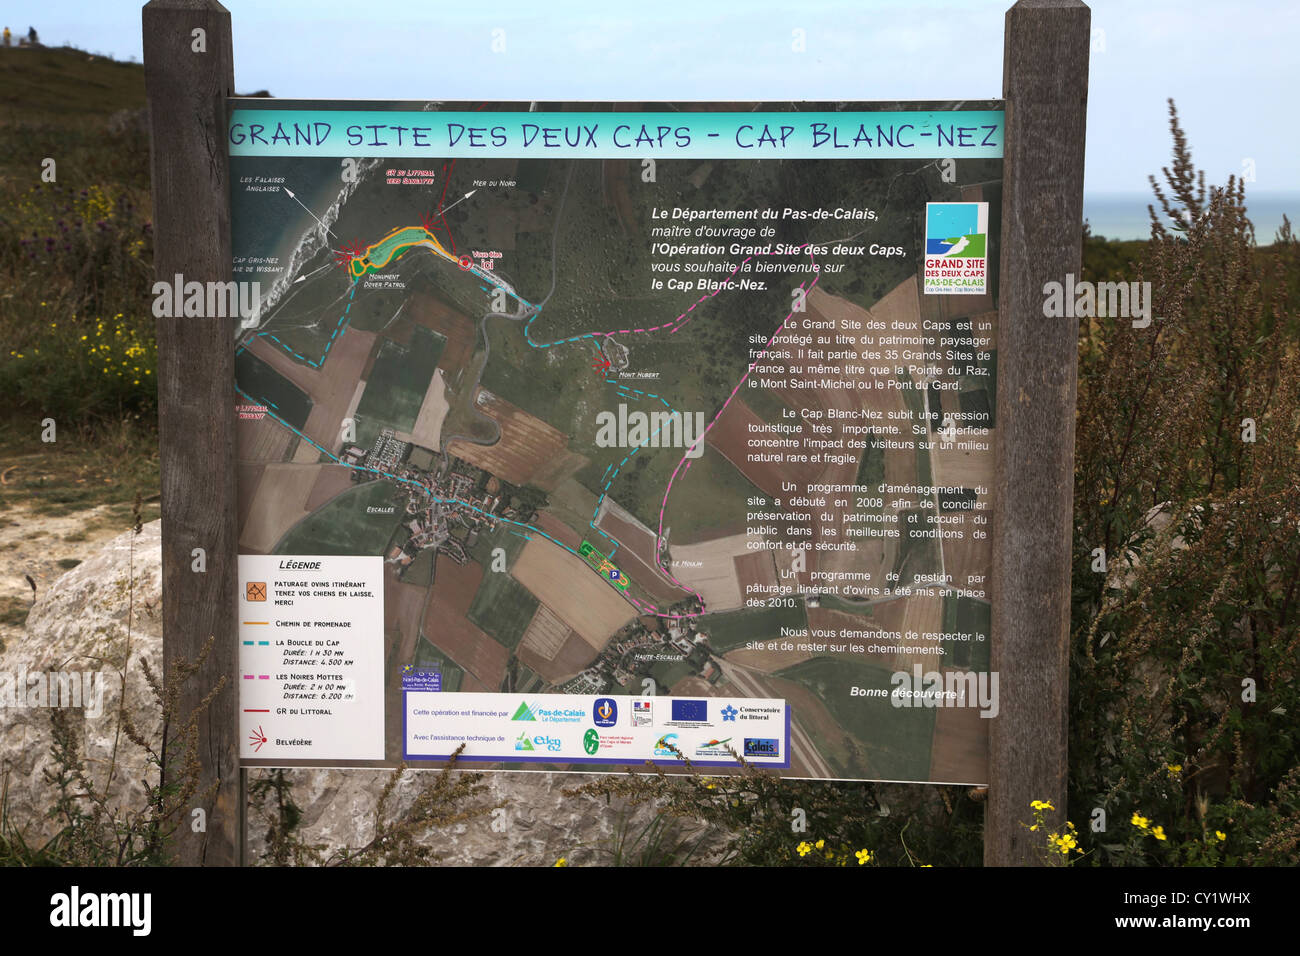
x=47, y=85
x=76, y=260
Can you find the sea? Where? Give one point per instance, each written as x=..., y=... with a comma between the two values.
x=1124, y=215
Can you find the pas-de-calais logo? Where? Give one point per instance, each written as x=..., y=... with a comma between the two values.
x=956, y=248
x=525, y=712
x=762, y=747
x=604, y=713
x=690, y=711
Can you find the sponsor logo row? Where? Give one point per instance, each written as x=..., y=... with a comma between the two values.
x=669, y=745
x=673, y=712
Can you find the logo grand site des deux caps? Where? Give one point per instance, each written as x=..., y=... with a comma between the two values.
x=956, y=248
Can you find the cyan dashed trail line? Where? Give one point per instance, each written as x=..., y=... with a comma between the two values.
x=612, y=473
x=338, y=327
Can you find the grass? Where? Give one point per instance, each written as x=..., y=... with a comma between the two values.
x=65, y=85
x=966, y=615
x=896, y=740
x=264, y=384
x=343, y=527
x=503, y=608
x=729, y=630
x=400, y=379
x=706, y=501
x=428, y=654
x=917, y=555
x=79, y=472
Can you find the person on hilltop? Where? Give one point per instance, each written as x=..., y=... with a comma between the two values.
x=8, y=37
x=31, y=37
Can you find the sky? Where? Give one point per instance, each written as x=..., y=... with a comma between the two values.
x=1226, y=65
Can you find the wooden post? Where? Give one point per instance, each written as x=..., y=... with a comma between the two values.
x=1045, y=84
x=188, y=75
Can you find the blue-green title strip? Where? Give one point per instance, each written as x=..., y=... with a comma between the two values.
x=384, y=133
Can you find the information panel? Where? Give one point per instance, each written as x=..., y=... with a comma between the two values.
x=589, y=435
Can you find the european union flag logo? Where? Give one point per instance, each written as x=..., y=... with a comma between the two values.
x=690, y=710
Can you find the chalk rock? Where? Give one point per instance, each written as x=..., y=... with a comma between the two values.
x=92, y=625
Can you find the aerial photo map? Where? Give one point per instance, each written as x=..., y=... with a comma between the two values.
x=583, y=435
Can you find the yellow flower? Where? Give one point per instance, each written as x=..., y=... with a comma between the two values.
x=1042, y=805
x=804, y=848
x=1139, y=821
x=561, y=862
x=1174, y=768
x=1158, y=832
x=1220, y=835
x=819, y=844
x=1064, y=844
x=864, y=856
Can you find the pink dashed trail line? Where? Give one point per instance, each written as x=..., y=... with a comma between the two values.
x=684, y=465
x=686, y=316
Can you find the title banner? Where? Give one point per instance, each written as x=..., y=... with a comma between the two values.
x=899, y=134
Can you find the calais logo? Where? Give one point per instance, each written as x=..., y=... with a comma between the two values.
x=762, y=747
x=604, y=713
